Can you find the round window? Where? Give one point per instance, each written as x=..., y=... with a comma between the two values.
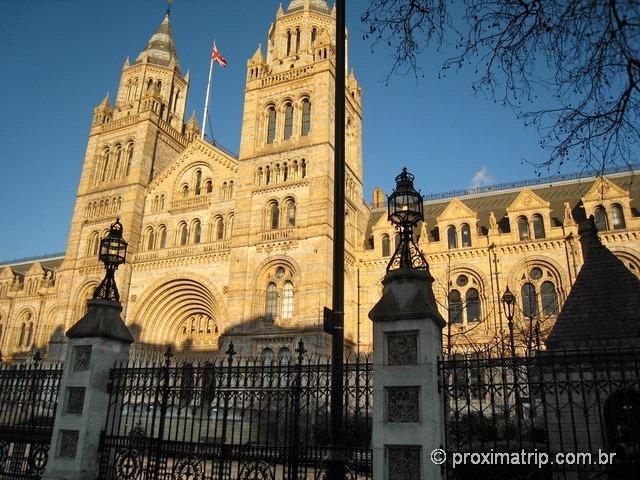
x=535, y=273
x=280, y=272
x=462, y=280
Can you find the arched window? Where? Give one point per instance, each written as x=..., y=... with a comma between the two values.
x=297, y=40
x=288, y=121
x=271, y=302
x=29, y=339
x=198, y=181
x=94, y=244
x=287, y=300
x=303, y=169
x=285, y=172
x=266, y=354
x=386, y=245
x=185, y=191
x=538, y=226
x=105, y=165
x=288, y=43
x=284, y=354
x=183, y=234
x=523, y=228
x=219, y=229
x=129, y=158
x=452, y=237
x=314, y=34
x=602, y=223
x=291, y=214
x=197, y=231
x=617, y=217
x=465, y=232
x=274, y=216
x=209, y=186
x=549, y=298
x=23, y=335
x=116, y=168
x=150, y=239
x=473, y=305
x=396, y=241
x=306, y=117
x=163, y=236
x=1, y=332
x=529, y=301
x=271, y=125
x=455, y=307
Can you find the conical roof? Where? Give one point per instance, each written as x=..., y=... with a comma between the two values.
x=313, y=4
x=161, y=48
x=604, y=303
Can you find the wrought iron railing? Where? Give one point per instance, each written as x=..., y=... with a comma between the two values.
x=568, y=403
x=28, y=400
x=233, y=418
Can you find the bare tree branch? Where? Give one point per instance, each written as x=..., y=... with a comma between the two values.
x=570, y=68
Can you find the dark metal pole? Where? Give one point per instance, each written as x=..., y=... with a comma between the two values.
x=335, y=455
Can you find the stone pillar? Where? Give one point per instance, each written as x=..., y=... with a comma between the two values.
x=408, y=421
x=96, y=343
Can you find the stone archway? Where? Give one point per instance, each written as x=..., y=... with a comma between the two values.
x=182, y=312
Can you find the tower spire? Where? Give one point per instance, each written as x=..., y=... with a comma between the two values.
x=161, y=47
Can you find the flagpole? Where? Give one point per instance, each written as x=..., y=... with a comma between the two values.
x=206, y=102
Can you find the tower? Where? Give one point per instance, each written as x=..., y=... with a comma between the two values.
x=284, y=204
x=129, y=143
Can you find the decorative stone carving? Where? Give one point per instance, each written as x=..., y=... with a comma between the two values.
x=81, y=357
x=68, y=443
x=402, y=349
x=403, y=462
x=403, y=404
x=75, y=400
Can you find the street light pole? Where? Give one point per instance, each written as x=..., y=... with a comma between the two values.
x=334, y=319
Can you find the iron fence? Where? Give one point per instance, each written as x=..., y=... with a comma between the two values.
x=28, y=399
x=233, y=418
x=572, y=408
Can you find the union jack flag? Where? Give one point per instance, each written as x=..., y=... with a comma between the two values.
x=215, y=55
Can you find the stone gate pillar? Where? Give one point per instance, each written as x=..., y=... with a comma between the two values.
x=96, y=343
x=408, y=422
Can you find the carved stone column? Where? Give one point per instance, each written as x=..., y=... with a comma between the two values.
x=408, y=422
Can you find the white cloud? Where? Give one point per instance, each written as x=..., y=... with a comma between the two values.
x=481, y=178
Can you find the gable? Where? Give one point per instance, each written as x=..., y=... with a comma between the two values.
x=527, y=200
x=221, y=164
x=456, y=210
x=604, y=189
x=6, y=273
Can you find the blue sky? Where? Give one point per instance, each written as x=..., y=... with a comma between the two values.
x=62, y=56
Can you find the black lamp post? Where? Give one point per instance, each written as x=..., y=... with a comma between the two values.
x=509, y=301
x=405, y=210
x=113, y=253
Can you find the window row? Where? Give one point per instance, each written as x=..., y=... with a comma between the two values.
x=25, y=337
x=526, y=226
x=197, y=330
x=280, y=215
x=464, y=239
x=279, y=301
x=613, y=220
x=199, y=187
x=187, y=233
x=114, y=163
x=287, y=127
x=99, y=208
x=281, y=172
x=294, y=40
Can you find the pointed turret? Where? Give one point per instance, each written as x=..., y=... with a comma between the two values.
x=103, y=112
x=257, y=58
x=161, y=48
x=191, y=129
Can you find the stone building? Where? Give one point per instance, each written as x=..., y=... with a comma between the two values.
x=238, y=247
